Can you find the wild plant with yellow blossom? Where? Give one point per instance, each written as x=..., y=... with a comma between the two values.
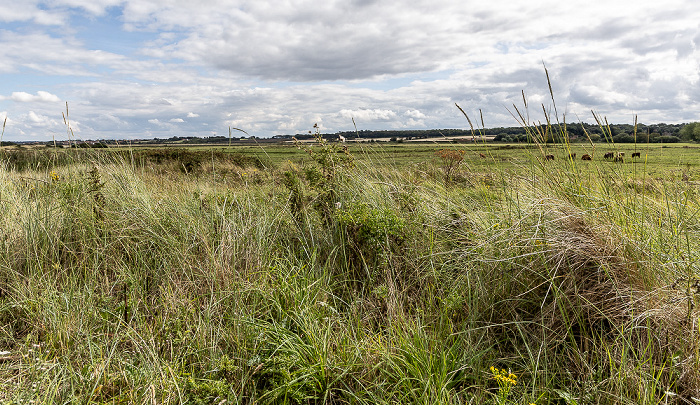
x=506, y=381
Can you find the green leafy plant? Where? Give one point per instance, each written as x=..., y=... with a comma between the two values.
x=322, y=177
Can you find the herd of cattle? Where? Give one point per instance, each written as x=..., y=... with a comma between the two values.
x=615, y=157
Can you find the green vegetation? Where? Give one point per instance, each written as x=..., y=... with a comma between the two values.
x=690, y=132
x=320, y=274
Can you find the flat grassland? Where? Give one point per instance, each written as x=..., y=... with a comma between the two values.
x=377, y=273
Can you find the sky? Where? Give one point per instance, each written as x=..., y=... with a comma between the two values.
x=131, y=69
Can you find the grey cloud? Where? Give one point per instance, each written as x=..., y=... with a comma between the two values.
x=342, y=55
x=679, y=41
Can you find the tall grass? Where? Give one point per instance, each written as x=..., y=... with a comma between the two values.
x=126, y=280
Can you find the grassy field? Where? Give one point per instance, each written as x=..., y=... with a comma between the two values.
x=389, y=273
x=657, y=157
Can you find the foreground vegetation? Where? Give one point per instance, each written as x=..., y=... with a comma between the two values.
x=349, y=276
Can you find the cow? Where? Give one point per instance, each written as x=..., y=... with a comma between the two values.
x=572, y=156
x=481, y=155
x=636, y=154
x=609, y=155
x=619, y=158
x=549, y=157
x=586, y=157
x=622, y=154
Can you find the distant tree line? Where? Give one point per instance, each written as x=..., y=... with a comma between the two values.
x=617, y=133
x=579, y=132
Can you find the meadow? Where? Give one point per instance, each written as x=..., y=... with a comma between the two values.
x=364, y=274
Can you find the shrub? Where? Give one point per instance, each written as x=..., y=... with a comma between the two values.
x=370, y=233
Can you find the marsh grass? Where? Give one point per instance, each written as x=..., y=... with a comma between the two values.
x=124, y=278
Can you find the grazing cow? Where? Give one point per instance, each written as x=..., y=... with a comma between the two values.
x=609, y=155
x=621, y=154
x=482, y=155
x=586, y=157
x=549, y=157
x=572, y=156
x=637, y=154
x=619, y=158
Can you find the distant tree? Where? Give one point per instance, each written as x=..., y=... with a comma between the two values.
x=502, y=137
x=653, y=136
x=690, y=132
x=667, y=139
x=623, y=138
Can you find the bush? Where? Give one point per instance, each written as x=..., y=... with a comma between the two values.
x=370, y=233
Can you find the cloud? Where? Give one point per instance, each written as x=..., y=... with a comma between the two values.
x=40, y=97
x=55, y=12
x=38, y=119
x=273, y=68
x=366, y=115
x=46, y=54
x=28, y=10
x=414, y=114
x=302, y=41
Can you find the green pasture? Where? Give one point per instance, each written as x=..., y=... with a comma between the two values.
x=655, y=159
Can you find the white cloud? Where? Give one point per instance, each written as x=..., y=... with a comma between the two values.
x=177, y=120
x=41, y=96
x=28, y=10
x=192, y=115
x=414, y=114
x=46, y=54
x=39, y=120
x=365, y=115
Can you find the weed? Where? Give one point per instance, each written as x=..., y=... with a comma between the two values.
x=506, y=381
x=450, y=161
